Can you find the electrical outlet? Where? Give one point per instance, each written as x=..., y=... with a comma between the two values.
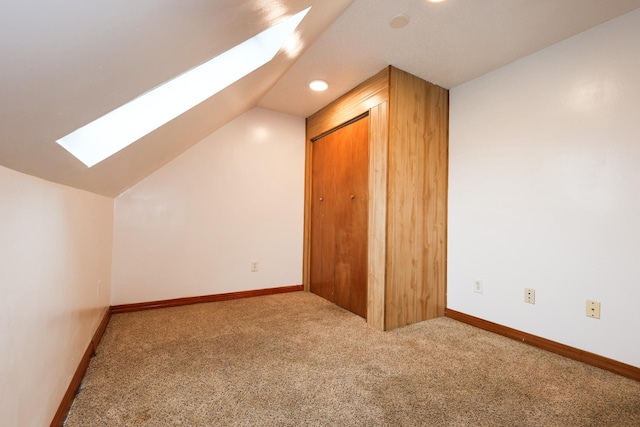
x=254, y=266
x=593, y=309
x=530, y=295
x=478, y=286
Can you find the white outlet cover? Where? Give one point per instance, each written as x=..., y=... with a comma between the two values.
x=530, y=295
x=593, y=309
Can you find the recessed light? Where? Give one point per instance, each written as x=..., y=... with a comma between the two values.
x=318, y=85
x=399, y=21
x=435, y=1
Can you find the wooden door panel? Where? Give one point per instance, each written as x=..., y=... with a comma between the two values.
x=351, y=266
x=339, y=216
x=322, y=255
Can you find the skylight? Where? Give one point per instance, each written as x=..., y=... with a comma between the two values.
x=112, y=132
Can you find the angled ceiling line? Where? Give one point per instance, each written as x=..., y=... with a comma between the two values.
x=105, y=136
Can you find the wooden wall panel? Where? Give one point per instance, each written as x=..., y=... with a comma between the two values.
x=357, y=101
x=404, y=261
x=416, y=218
x=435, y=203
x=377, y=249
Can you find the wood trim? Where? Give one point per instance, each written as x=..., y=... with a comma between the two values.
x=343, y=125
x=377, y=227
x=357, y=101
x=67, y=399
x=102, y=327
x=592, y=359
x=76, y=380
x=127, y=308
x=306, y=238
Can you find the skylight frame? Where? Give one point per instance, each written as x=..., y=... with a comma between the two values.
x=125, y=125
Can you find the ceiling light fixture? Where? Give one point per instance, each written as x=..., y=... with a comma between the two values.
x=318, y=85
x=399, y=21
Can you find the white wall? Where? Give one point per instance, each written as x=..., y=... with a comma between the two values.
x=194, y=226
x=544, y=191
x=55, y=245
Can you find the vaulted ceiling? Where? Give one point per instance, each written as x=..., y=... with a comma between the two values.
x=66, y=63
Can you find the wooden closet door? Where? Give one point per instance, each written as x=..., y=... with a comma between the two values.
x=339, y=216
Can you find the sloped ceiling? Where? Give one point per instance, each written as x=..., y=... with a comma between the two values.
x=447, y=43
x=66, y=63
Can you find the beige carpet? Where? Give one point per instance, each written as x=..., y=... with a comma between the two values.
x=297, y=360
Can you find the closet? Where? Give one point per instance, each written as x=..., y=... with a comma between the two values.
x=340, y=164
x=376, y=198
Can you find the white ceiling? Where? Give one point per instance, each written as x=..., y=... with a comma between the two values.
x=445, y=43
x=66, y=63
x=63, y=64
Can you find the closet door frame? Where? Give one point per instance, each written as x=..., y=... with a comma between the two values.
x=339, y=215
x=371, y=96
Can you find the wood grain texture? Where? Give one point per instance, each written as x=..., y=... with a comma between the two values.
x=377, y=249
x=417, y=187
x=592, y=359
x=408, y=193
x=323, y=206
x=351, y=243
x=127, y=308
x=432, y=303
x=67, y=400
x=339, y=216
x=357, y=101
x=306, y=236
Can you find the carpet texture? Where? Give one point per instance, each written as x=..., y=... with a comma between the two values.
x=297, y=360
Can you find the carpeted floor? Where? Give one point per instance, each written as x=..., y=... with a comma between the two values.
x=298, y=360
